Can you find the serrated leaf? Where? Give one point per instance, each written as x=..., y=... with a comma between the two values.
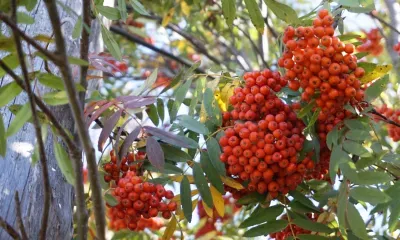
x=214, y=151
x=56, y=98
x=357, y=135
x=3, y=138
x=231, y=183
x=77, y=28
x=255, y=14
x=150, y=80
x=110, y=43
x=371, y=195
x=356, y=222
x=371, y=177
x=212, y=110
x=361, y=54
x=11, y=60
x=202, y=185
x=261, y=215
x=175, y=154
x=138, y=7
x=229, y=11
x=109, y=12
x=190, y=123
x=355, y=148
x=266, y=228
x=186, y=199
x=179, y=94
x=348, y=36
x=338, y=156
x=211, y=172
x=64, y=163
x=282, y=11
x=6, y=44
x=332, y=138
x=375, y=90
x=394, y=216
x=24, y=18
x=160, y=109
x=128, y=141
x=110, y=199
x=168, y=168
x=8, y=92
x=155, y=153
x=122, y=9
x=153, y=114
x=253, y=197
x=306, y=109
x=51, y=81
x=20, y=119
x=173, y=139
x=358, y=123
x=218, y=200
x=109, y=125
x=311, y=225
x=168, y=17
x=77, y=61
x=303, y=199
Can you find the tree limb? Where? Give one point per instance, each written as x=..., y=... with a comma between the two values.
x=19, y=217
x=77, y=113
x=39, y=139
x=385, y=119
x=9, y=229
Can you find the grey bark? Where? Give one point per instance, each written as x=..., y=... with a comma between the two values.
x=16, y=171
x=393, y=7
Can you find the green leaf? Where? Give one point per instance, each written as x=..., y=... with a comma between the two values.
x=371, y=195
x=394, y=216
x=303, y=199
x=6, y=44
x=213, y=111
x=211, y=173
x=20, y=119
x=186, y=199
x=64, y=163
x=229, y=11
x=122, y=9
x=266, y=228
x=306, y=109
x=77, y=61
x=361, y=54
x=356, y=222
x=342, y=202
x=150, y=80
x=261, y=215
x=138, y=7
x=24, y=18
x=349, y=3
x=168, y=168
x=175, y=154
x=109, y=12
x=371, y=177
x=202, y=185
x=214, y=152
x=153, y=114
x=77, y=28
x=35, y=155
x=253, y=197
x=197, y=94
x=355, y=148
x=358, y=123
x=341, y=25
x=297, y=206
x=376, y=88
x=365, y=162
x=255, y=14
x=338, y=156
x=56, y=98
x=51, y=81
x=348, y=36
x=8, y=92
x=180, y=94
x=190, y=123
x=313, y=237
x=357, y=135
x=110, y=199
x=282, y=11
x=11, y=61
x=332, y=138
x=160, y=109
x=3, y=138
x=349, y=171
x=313, y=119
x=110, y=43
x=311, y=225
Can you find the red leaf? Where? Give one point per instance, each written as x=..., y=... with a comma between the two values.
x=168, y=137
x=118, y=136
x=155, y=153
x=99, y=111
x=107, y=129
x=92, y=106
x=141, y=102
x=128, y=141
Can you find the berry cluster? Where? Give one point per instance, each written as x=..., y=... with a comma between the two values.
x=293, y=229
x=114, y=171
x=322, y=66
x=263, y=150
x=394, y=115
x=137, y=200
x=371, y=43
x=397, y=47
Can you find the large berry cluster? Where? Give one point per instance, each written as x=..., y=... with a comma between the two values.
x=394, y=115
x=137, y=200
x=114, y=170
x=293, y=229
x=322, y=65
x=263, y=149
x=371, y=42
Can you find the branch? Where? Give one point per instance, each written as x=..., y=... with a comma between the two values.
x=36, y=124
x=77, y=113
x=270, y=28
x=9, y=229
x=385, y=119
x=255, y=47
x=381, y=20
x=19, y=216
x=133, y=38
x=52, y=56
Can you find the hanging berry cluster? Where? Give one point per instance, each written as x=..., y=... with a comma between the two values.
x=263, y=150
x=114, y=170
x=139, y=200
x=293, y=229
x=394, y=115
x=371, y=43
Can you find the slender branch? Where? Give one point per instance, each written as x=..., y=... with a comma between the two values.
x=133, y=38
x=42, y=152
x=385, y=119
x=19, y=216
x=77, y=113
x=381, y=20
x=52, y=56
x=9, y=229
x=270, y=28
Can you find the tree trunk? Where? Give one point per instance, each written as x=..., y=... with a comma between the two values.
x=16, y=171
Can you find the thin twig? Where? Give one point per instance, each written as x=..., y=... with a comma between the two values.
x=120, y=31
x=381, y=20
x=39, y=139
x=270, y=28
x=77, y=113
x=385, y=119
x=9, y=229
x=19, y=216
x=52, y=56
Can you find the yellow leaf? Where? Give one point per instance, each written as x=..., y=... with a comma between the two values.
x=180, y=213
x=178, y=178
x=203, y=114
x=218, y=201
x=379, y=71
x=232, y=183
x=208, y=210
x=185, y=8
x=177, y=198
x=169, y=232
x=44, y=38
x=209, y=235
x=167, y=18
